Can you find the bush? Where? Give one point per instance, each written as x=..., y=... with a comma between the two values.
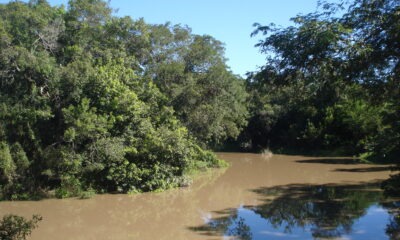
x=13, y=227
x=392, y=186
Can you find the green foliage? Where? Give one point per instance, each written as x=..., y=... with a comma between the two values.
x=83, y=108
x=392, y=186
x=208, y=99
x=355, y=120
x=19, y=157
x=331, y=81
x=13, y=227
x=7, y=166
x=87, y=194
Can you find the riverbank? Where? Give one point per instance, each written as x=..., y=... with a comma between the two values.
x=184, y=213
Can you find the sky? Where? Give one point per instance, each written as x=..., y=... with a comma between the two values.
x=229, y=21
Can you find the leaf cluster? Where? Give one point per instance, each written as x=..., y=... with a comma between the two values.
x=90, y=102
x=330, y=82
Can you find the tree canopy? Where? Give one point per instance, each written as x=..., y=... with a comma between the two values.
x=331, y=81
x=94, y=102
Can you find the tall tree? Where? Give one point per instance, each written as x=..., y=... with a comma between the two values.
x=330, y=80
x=191, y=70
x=78, y=112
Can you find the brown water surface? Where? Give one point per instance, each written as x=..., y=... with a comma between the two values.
x=184, y=213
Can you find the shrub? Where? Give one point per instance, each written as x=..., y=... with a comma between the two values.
x=13, y=227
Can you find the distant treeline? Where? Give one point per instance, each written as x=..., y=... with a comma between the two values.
x=91, y=102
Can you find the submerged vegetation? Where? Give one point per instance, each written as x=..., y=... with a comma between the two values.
x=91, y=102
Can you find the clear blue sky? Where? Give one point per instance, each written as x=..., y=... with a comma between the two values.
x=229, y=21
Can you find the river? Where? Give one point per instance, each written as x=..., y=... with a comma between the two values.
x=257, y=197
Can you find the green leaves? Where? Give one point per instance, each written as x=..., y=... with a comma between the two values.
x=81, y=111
x=13, y=227
x=191, y=71
x=85, y=122
x=7, y=165
x=330, y=81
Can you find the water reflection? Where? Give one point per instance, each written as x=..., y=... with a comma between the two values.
x=393, y=227
x=311, y=212
x=168, y=215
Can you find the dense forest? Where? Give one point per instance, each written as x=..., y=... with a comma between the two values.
x=96, y=103
x=331, y=83
x=92, y=102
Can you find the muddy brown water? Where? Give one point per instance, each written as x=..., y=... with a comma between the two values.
x=186, y=213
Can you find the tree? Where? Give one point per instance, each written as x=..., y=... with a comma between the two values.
x=191, y=71
x=330, y=80
x=13, y=227
x=78, y=111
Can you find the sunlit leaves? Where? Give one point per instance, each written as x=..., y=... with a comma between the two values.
x=79, y=109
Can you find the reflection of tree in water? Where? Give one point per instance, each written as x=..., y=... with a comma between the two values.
x=327, y=211
x=232, y=225
x=393, y=227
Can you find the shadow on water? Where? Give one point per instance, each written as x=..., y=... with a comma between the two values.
x=362, y=170
x=332, y=161
x=311, y=211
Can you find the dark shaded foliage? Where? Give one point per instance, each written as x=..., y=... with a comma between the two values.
x=330, y=82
